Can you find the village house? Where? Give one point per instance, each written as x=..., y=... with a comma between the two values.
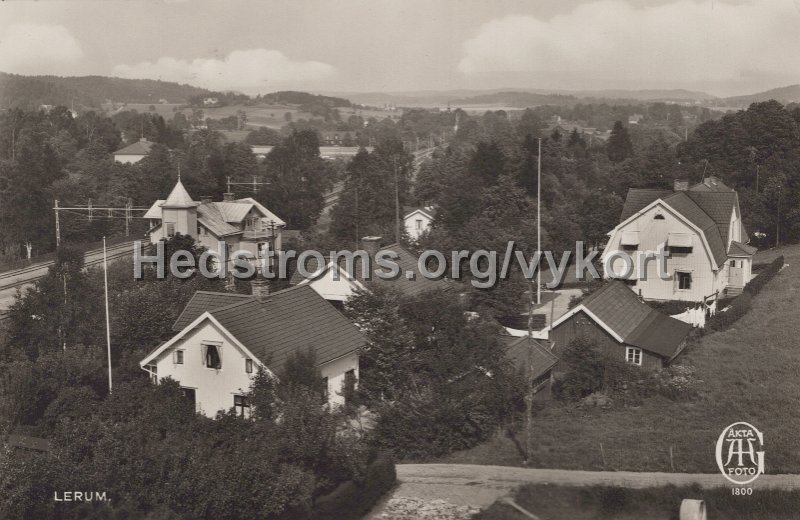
x=223, y=339
x=534, y=360
x=701, y=227
x=623, y=326
x=242, y=224
x=133, y=153
x=418, y=220
x=335, y=284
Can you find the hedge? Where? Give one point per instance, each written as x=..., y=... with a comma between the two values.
x=740, y=305
x=352, y=499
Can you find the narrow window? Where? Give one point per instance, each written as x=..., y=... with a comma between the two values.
x=190, y=394
x=419, y=224
x=349, y=384
x=177, y=357
x=248, y=366
x=684, y=281
x=153, y=370
x=633, y=355
x=324, y=389
x=212, y=357
x=241, y=405
x=170, y=229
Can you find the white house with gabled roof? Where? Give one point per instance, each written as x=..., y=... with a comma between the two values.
x=222, y=339
x=700, y=226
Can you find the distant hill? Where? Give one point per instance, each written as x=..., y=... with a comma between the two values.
x=522, y=97
x=785, y=95
x=88, y=91
x=291, y=97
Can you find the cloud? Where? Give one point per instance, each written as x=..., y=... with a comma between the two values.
x=679, y=42
x=38, y=49
x=249, y=68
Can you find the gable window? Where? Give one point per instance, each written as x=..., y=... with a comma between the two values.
x=679, y=243
x=170, y=229
x=659, y=216
x=241, y=405
x=419, y=224
x=177, y=357
x=678, y=250
x=633, y=355
x=248, y=366
x=684, y=281
x=212, y=356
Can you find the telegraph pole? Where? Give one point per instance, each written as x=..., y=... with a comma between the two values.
x=539, y=222
x=108, y=320
x=396, y=204
x=58, y=226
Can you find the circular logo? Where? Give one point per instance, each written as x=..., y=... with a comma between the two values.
x=740, y=453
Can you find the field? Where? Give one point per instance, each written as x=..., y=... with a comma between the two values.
x=593, y=503
x=749, y=373
x=271, y=116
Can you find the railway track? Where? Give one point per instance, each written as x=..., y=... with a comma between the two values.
x=11, y=279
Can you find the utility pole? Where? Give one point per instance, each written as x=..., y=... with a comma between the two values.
x=108, y=320
x=58, y=226
x=396, y=203
x=539, y=222
x=778, y=223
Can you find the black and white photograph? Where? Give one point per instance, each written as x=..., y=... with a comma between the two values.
x=399, y=260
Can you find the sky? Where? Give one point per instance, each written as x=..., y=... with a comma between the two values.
x=722, y=47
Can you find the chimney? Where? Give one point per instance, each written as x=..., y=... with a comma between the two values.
x=681, y=185
x=259, y=289
x=227, y=197
x=371, y=245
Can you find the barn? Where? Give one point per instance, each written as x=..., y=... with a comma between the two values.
x=623, y=326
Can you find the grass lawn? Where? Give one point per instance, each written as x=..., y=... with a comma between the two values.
x=590, y=503
x=750, y=372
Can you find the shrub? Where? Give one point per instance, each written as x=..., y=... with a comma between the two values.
x=740, y=305
x=353, y=499
x=678, y=382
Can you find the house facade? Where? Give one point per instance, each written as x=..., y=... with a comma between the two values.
x=133, y=153
x=418, y=220
x=222, y=339
x=242, y=224
x=623, y=326
x=335, y=284
x=701, y=228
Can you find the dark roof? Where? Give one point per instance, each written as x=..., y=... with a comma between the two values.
x=137, y=148
x=406, y=261
x=739, y=249
x=638, y=324
x=290, y=321
x=707, y=207
x=639, y=198
x=711, y=184
x=203, y=301
x=529, y=355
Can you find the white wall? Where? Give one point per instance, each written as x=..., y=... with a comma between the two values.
x=214, y=389
x=333, y=290
x=334, y=371
x=653, y=234
x=128, y=159
x=411, y=225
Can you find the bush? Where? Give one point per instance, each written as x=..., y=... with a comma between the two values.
x=353, y=499
x=740, y=305
x=678, y=382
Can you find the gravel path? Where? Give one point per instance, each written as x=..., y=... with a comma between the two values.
x=456, y=490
